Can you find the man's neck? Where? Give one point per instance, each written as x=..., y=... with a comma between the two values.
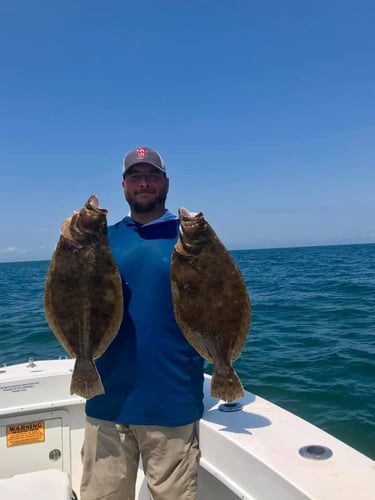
x=145, y=218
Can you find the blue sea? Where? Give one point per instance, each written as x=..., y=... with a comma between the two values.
x=311, y=345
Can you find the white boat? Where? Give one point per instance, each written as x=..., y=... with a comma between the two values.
x=257, y=452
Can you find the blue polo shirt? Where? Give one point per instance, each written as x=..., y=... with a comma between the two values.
x=151, y=374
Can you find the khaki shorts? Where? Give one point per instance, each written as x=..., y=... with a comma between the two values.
x=111, y=454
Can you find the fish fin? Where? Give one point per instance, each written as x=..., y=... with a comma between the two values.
x=86, y=381
x=226, y=386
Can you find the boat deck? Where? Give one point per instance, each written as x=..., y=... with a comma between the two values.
x=258, y=452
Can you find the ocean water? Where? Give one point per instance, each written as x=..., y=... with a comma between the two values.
x=311, y=345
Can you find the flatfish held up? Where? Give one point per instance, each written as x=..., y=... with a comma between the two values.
x=210, y=301
x=83, y=294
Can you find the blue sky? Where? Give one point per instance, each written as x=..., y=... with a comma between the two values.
x=262, y=109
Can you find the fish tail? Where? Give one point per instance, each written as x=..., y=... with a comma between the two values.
x=226, y=385
x=86, y=381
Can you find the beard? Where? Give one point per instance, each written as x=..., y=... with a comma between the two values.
x=145, y=207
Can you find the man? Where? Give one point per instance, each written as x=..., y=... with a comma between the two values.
x=153, y=378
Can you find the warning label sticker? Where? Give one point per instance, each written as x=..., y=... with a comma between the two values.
x=25, y=433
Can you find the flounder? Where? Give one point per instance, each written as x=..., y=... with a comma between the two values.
x=83, y=294
x=210, y=301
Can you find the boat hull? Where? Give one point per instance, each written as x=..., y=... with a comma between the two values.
x=256, y=452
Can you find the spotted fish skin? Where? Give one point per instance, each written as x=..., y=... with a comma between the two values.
x=83, y=294
x=210, y=301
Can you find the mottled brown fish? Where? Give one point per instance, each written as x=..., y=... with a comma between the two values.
x=83, y=294
x=210, y=300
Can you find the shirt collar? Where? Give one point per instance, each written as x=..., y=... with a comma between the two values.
x=167, y=215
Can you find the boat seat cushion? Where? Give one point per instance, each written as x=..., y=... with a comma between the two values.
x=48, y=484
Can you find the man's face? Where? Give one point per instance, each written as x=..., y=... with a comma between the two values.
x=145, y=188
